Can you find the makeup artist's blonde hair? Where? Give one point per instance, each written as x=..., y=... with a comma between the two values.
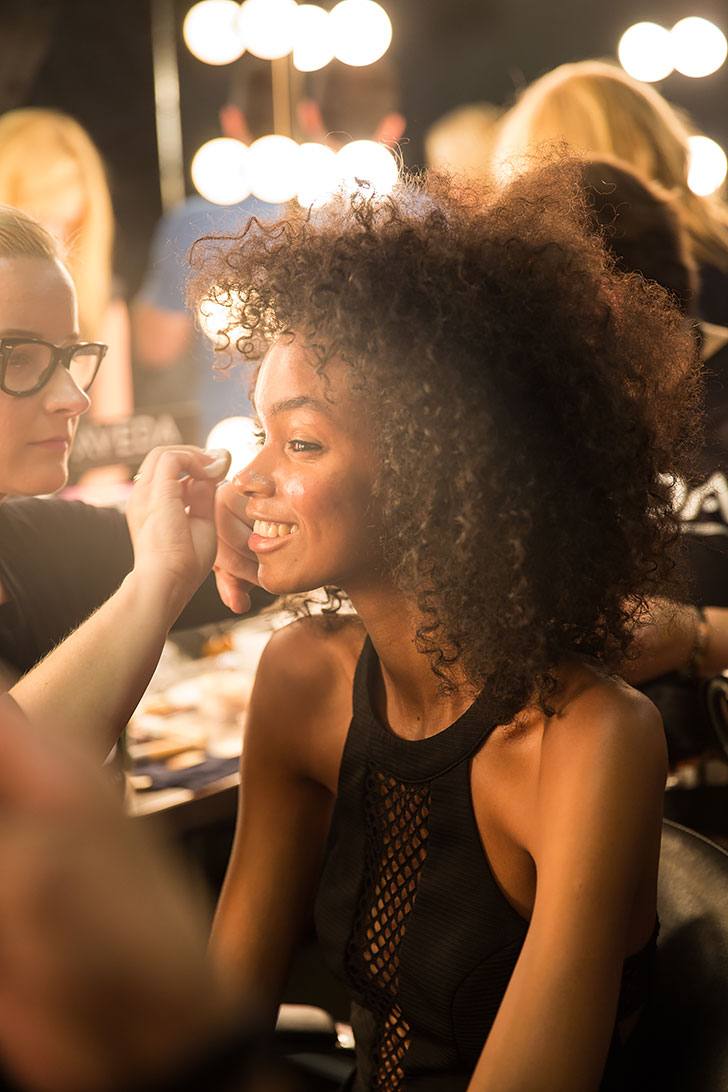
x=23, y=237
x=596, y=108
x=33, y=141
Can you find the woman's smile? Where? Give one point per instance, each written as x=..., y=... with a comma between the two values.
x=268, y=535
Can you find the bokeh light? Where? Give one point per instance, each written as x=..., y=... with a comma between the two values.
x=238, y=435
x=645, y=52
x=273, y=166
x=318, y=177
x=313, y=45
x=211, y=31
x=708, y=166
x=217, y=314
x=361, y=31
x=267, y=27
x=220, y=171
x=699, y=47
x=364, y=164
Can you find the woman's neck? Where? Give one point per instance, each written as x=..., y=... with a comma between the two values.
x=410, y=699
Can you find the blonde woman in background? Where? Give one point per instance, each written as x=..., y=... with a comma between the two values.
x=462, y=140
x=599, y=110
x=51, y=170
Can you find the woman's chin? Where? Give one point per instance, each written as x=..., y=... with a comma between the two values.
x=39, y=485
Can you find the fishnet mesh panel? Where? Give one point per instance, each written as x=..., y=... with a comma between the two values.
x=396, y=821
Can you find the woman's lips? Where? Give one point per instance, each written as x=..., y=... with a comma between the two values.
x=261, y=544
x=56, y=443
x=268, y=534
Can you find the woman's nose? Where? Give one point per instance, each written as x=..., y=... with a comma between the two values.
x=253, y=480
x=63, y=395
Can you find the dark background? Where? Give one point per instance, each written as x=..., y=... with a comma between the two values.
x=92, y=59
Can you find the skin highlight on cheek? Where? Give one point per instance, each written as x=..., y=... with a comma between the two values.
x=294, y=487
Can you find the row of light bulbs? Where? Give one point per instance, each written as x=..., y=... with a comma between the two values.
x=357, y=32
x=277, y=169
x=694, y=47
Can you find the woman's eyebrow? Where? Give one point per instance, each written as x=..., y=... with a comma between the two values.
x=301, y=400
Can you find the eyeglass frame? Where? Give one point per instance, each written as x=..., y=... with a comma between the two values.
x=59, y=355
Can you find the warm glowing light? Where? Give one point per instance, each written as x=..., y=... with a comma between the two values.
x=364, y=164
x=220, y=171
x=238, y=436
x=273, y=166
x=267, y=27
x=708, y=166
x=645, y=52
x=318, y=178
x=699, y=47
x=313, y=45
x=361, y=31
x=218, y=316
x=211, y=31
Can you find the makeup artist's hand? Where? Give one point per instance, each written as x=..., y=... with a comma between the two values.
x=171, y=517
x=236, y=567
x=104, y=978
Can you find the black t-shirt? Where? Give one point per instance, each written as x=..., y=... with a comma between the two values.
x=59, y=561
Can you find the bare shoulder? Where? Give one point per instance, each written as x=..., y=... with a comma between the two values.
x=311, y=653
x=602, y=714
x=302, y=698
x=606, y=738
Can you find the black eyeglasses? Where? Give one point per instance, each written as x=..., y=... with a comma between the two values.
x=27, y=363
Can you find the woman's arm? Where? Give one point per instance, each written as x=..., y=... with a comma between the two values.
x=90, y=684
x=283, y=820
x=598, y=825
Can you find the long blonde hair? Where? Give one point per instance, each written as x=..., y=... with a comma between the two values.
x=34, y=142
x=597, y=108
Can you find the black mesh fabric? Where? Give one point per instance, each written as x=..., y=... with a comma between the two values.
x=396, y=820
x=408, y=911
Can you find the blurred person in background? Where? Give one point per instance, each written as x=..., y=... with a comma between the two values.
x=51, y=169
x=343, y=103
x=599, y=110
x=59, y=560
x=462, y=140
x=174, y=357
x=685, y=642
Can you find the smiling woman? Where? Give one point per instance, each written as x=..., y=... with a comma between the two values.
x=466, y=415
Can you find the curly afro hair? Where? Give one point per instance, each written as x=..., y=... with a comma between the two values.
x=531, y=403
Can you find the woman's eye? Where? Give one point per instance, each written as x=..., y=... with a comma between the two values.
x=303, y=445
x=259, y=436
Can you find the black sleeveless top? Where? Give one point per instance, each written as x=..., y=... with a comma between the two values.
x=408, y=912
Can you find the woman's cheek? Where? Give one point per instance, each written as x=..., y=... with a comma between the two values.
x=295, y=488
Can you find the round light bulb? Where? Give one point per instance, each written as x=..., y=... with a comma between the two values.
x=219, y=171
x=366, y=165
x=238, y=435
x=273, y=166
x=313, y=45
x=267, y=27
x=318, y=178
x=708, y=166
x=211, y=31
x=361, y=31
x=645, y=52
x=699, y=47
x=217, y=315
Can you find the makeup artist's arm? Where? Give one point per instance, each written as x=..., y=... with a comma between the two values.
x=674, y=637
x=91, y=683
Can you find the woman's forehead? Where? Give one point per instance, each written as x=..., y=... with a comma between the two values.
x=288, y=373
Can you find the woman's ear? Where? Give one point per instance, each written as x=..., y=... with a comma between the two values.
x=390, y=129
x=310, y=120
x=234, y=123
